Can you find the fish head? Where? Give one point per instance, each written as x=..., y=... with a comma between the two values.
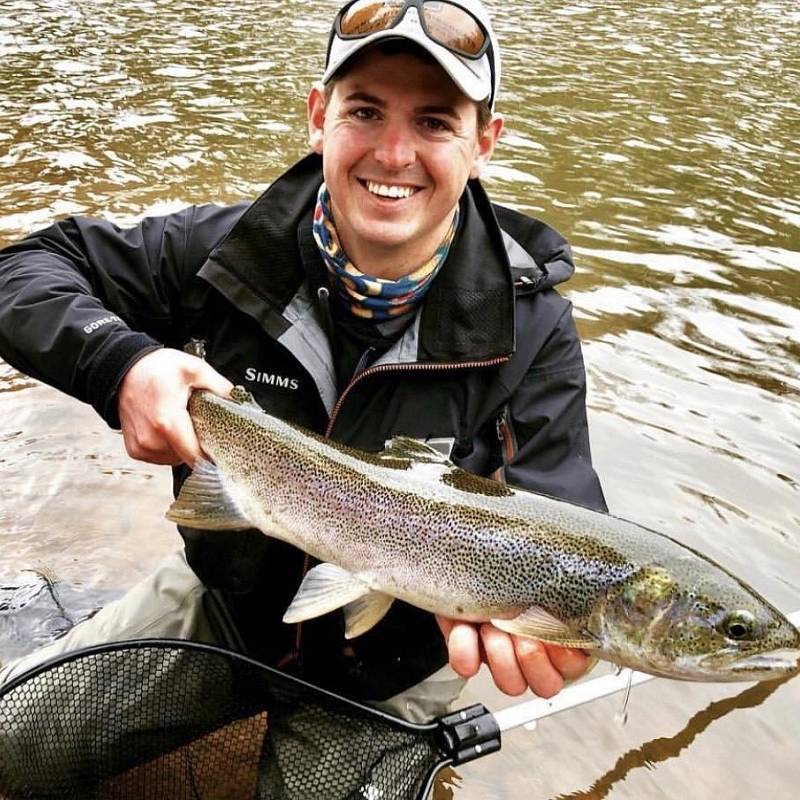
x=711, y=627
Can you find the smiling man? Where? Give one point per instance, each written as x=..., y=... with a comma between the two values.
x=372, y=291
x=399, y=141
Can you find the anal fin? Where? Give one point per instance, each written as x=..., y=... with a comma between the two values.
x=365, y=612
x=325, y=588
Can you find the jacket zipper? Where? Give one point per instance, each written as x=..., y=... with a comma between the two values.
x=411, y=367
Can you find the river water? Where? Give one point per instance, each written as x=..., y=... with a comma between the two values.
x=662, y=137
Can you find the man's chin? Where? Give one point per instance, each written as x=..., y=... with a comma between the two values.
x=384, y=237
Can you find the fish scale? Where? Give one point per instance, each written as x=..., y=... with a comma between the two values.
x=408, y=524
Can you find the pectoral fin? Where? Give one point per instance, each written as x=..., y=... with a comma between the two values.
x=365, y=612
x=325, y=588
x=206, y=502
x=537, y=623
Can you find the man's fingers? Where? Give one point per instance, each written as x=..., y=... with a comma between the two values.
x=170, y=428
x=463, y=646
x=206, y=377
x=168, y=440
x=152, y=402
x=445, y=625
x=502, y=660
x=145, y=446
x=571, y=663
x=163, y=455
x=516, y=662
x=183, y=440
x=534, y=661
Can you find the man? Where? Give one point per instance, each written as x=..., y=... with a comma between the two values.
x=372, y=291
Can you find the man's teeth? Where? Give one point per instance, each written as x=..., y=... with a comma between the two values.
x=384, y=190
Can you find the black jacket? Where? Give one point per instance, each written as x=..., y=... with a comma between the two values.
x=492, y=363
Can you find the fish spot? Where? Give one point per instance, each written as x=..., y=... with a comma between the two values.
x=474, y=484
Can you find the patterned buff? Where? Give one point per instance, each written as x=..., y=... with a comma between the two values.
x=367, y=297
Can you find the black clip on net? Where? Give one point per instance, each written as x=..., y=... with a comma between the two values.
x=469, y=733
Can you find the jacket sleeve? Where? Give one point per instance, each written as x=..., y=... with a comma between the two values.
x=82, y=300
x=547, y=419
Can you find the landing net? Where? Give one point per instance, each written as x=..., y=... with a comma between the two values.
x=174, y=720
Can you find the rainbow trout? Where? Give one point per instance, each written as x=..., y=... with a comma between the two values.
x=407, y=524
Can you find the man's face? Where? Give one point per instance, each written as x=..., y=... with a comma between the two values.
x=399, y=141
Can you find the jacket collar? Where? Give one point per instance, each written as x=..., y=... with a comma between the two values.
x=468, y=314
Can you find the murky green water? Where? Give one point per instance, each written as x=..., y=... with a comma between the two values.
x=663, y=138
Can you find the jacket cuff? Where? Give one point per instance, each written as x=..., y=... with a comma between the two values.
x=109, y=368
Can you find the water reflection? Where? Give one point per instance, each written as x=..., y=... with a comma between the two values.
x=662, y=749
x=661, y=138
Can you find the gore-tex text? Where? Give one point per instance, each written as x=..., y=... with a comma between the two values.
x=98, y=323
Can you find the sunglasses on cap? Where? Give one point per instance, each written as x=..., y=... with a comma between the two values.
x=447, y=24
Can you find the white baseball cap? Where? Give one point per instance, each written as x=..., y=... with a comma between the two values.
x=457, y=33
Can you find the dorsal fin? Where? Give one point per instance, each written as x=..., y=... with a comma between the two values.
x=413, y=450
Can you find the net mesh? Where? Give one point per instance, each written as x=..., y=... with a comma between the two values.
x=181, y=721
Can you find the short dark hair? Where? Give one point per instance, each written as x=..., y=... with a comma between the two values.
x=394, y=47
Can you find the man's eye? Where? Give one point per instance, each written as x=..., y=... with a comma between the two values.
x=435, y=125
x=364, y=113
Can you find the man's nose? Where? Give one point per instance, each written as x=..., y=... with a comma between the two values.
x=394, y=148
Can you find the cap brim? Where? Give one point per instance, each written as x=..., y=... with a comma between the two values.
x=474, y=81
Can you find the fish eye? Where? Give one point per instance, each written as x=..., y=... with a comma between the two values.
x=739, y=625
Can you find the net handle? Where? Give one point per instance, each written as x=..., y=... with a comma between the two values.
x=578, y=695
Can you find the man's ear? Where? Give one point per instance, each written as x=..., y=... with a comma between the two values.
x=484, y=147
x=315, y=107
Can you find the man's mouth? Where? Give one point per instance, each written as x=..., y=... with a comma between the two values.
x=389, y=191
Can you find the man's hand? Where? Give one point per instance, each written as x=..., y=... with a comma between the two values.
x=152, y=404
x=516, y=662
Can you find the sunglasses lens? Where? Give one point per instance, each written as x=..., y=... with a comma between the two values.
x=367, y=16
x=453, y=27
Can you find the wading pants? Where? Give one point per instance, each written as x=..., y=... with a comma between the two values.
x=169, y=603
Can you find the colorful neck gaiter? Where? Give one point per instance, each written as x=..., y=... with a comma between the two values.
x=367, y=297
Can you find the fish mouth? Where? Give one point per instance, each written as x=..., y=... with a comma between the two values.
x=776, y=662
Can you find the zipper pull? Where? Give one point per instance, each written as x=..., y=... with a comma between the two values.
x=500, y=423
x=363, y=362
x=508, y=444
x=323, y=296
